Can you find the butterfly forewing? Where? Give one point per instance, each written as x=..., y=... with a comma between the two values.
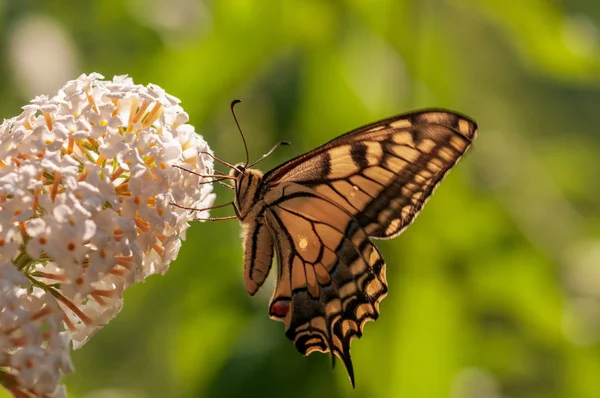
x=319, y=210
x=383, y=173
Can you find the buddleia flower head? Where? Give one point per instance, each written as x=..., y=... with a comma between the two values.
x=86, y=190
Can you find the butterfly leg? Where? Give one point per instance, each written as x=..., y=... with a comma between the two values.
x=215, y=218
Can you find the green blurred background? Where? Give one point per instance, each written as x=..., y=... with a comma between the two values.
x=494, y=291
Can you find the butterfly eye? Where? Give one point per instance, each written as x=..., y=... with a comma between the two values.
x=280, y=308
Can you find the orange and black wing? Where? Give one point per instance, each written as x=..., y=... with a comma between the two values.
x=383, y=173
x=330, y=276
x=322, y=207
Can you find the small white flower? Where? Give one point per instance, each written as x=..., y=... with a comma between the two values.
x=86, y=186
x=39, y=233
x=10, y=238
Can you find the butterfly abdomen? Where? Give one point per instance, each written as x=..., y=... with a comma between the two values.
x=256, y=236
x=258, y=255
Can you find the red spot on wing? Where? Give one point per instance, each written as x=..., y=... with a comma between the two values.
x=280, y=308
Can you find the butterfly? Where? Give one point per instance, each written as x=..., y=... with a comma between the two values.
x=318, y=213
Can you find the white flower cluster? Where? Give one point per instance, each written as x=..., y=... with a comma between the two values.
x=32, y=344
x=86, y=193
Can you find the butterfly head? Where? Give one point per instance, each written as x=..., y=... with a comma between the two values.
x=237, y=170
x=248, y=184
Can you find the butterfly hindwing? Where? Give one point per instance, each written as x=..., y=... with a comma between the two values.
x=330, y=276
x=383, y=173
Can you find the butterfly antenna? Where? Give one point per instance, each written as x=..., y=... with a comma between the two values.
x=219, y=176
x=224, y=163
x=281, y=143
x=233, y=103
